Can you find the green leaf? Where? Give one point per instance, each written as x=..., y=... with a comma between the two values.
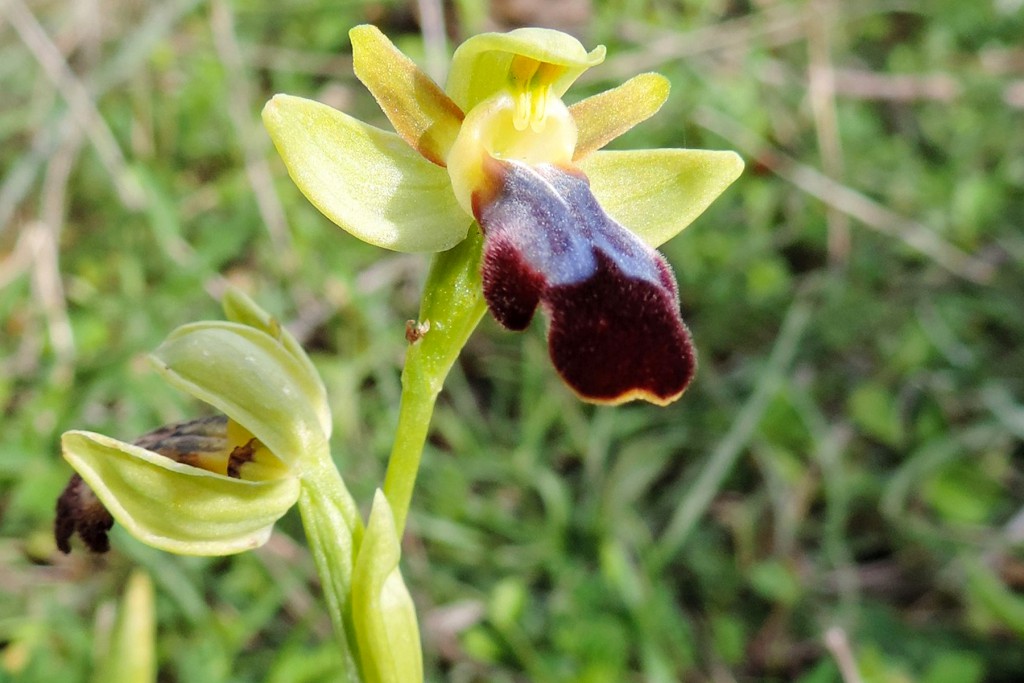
x=729, y=637
x=776, y=582
x=873, y=408
x=383, y=612
x=963, y=493
x=507, y=601
x=131, y=655
x=1002, y=604
x=955, y=667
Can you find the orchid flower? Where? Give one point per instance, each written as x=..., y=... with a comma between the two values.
x=566, y=226
x=216, y=485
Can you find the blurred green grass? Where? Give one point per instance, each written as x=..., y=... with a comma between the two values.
x=839, y=495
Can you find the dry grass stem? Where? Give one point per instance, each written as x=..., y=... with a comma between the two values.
x=821, y=91
x=869, y=85
x=435, y=42
x=130, y=57
x=839, y=645
x=283, y=59
x=16, y=263
x=80, y=102
x=774, y=26
x=48, y=285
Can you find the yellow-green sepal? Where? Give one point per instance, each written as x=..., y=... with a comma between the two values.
x=239, y=308
x=481, y=65
x=366, y=180
x=656, y=193
x=176, y=507
x=382, y=609
x=253, y=379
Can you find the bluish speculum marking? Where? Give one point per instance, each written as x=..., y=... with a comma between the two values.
x=616, y=332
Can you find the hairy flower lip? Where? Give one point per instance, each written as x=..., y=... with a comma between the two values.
x=615, y=333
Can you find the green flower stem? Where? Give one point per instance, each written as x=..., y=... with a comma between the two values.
x=453, y=304
x=334, y=530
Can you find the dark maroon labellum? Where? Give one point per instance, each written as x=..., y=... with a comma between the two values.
x=616, y=332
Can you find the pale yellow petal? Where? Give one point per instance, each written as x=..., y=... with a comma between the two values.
x=418, y=108
x=239, y=308
x=250, y=377
x=605, y=116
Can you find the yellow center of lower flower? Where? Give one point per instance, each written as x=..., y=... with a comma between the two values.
x=216, y=444
x=248, y=458
x=524, y=123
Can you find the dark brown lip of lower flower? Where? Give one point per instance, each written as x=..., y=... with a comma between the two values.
x=616, y=332
x=80, y=511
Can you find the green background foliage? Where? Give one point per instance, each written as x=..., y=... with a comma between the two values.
x=838, y=497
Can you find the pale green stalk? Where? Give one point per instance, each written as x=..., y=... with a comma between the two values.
x=453, y=304
x=334, y=531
